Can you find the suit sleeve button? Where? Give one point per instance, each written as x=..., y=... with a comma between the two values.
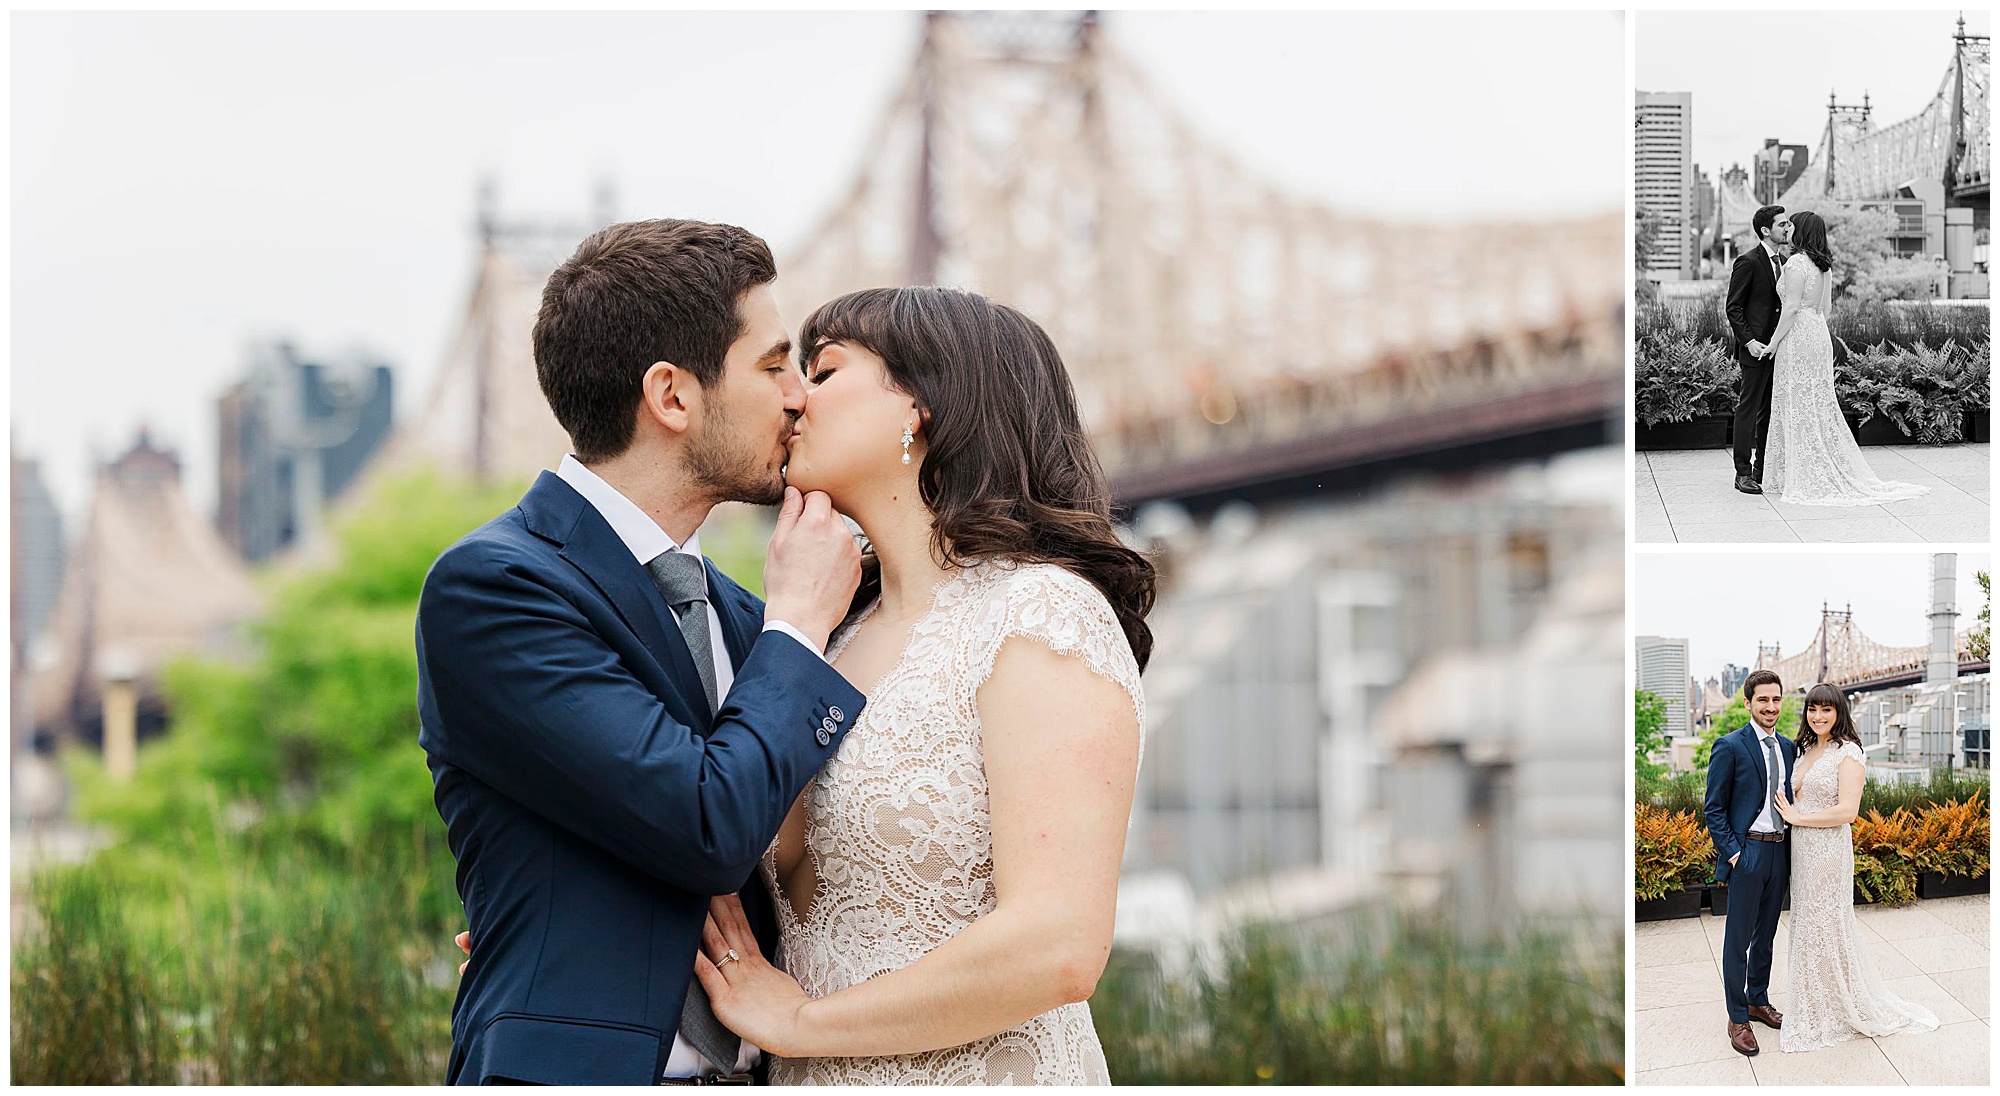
x=835, y=713
x=823, y=735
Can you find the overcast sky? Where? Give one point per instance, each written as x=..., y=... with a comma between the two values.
x=183, y=184
x=1767, y=74
x=1723, y=603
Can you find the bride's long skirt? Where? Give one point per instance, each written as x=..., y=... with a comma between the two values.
x=1809, y=456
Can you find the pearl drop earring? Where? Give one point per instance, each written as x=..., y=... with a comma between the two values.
x=908, y=437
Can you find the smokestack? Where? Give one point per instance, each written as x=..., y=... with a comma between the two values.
x=1943, y=663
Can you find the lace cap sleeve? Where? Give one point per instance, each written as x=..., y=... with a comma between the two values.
x=1047, y=603
x=1852, y=752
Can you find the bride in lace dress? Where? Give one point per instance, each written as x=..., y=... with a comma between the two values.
x=945, y=886
x=1836, y=993
x=1810, y=457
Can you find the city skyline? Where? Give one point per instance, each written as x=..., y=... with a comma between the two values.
x=335, y=206
x=1724, y=604
x=1895, y=58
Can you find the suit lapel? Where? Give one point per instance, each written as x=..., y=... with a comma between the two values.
x=1757, y=759
x=592, y=547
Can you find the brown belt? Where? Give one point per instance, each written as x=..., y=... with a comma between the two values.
x=1779, y=836
x=709, y=1079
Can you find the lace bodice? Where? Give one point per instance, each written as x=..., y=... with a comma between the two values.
x=1809, y=455
x=1810, y=275
x=1817, y=788
x=1836, y=991
x=897, y=832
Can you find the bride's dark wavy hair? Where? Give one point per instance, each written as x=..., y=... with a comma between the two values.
x=1007, y=472
x=1826, y=696
x=1809, y=238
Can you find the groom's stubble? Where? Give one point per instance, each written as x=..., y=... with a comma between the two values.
x=729, y=464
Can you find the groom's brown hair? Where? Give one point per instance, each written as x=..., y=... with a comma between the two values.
x=634, y=294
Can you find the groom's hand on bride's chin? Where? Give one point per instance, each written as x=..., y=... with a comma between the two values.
x=812, y=568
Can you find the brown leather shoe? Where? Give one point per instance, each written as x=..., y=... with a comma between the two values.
x=1767, y=1016
x=1741, y=1039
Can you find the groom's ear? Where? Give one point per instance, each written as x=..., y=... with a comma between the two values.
x=668, y=396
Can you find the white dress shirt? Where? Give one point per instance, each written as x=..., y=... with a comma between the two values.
x=646, y=540
x=1767, y=820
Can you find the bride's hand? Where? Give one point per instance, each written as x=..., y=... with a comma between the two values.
x=1785, y=809
x=751, y=997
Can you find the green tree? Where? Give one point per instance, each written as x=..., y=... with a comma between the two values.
x=1649, y=723
x=1646, y=229
x=315, y=736
x=1865, y=267
x=1980, y=643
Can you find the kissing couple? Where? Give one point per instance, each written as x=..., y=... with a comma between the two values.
x=866, y=830
x=1781, y=814
x=1780, y=293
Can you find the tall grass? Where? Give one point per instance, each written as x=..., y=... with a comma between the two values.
x=276, y=963
x=88, y=1007
x=1942, y=787
x=1912, y=325
x=1687, y=791
x=1381, y=999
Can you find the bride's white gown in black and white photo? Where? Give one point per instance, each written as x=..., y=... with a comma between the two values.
x=1809, y=455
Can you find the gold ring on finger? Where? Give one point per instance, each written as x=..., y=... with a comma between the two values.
x=728, y=957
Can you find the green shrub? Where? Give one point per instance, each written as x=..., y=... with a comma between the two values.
x=1377, y=999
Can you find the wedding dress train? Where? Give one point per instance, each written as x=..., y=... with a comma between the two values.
x=1809, y=456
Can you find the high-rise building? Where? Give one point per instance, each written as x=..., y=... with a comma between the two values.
x=294, y=434
x=1664, y=183
x=1732, y=679
x=36, y=535
x=1663, y=671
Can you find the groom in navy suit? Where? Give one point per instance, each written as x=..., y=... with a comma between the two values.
x=615, y=730
x=1752, y=853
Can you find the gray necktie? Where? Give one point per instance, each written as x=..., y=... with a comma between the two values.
x=1771, y=767
x=684, y=583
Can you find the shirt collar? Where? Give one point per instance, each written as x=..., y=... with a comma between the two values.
x=1762, y=733
x=1769, y=251
x=641, y=535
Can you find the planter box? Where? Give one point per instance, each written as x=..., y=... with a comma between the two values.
x=1933, y=885
x=1708, y=432
x=1878, y=431
x=1717, y=899
x=1685, y=902
x=1862, y=899
x=1979, y=425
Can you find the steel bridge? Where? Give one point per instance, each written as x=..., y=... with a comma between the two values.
x=1226, y=339
x=1842, y=655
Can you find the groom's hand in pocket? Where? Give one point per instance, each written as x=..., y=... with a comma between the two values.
x=464, y=942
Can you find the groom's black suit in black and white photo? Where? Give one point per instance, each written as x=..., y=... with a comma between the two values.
x=1753, y=308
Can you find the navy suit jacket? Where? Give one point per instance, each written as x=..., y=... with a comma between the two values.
x=590, y=799
x=1736, y=790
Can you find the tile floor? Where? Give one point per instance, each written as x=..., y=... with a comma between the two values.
x=1689, y=496
x=1934, y=953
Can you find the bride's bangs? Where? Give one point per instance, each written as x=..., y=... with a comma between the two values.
x=861, y=318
